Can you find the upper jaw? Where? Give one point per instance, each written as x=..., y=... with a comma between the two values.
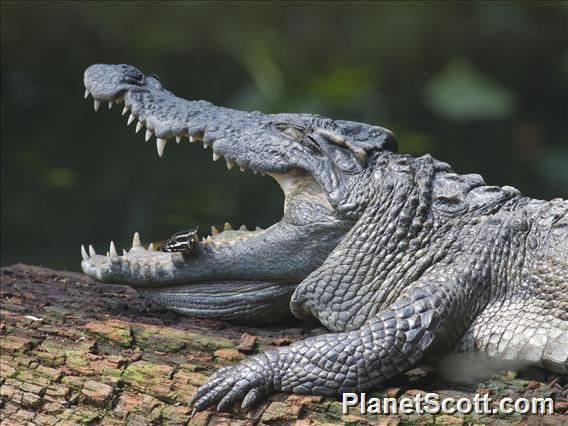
x=331, y=151
x=249, y=140
x=162, y=114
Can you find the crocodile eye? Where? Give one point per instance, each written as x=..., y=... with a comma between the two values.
x=291, y=131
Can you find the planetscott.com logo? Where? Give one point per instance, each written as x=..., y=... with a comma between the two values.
x=431, y=403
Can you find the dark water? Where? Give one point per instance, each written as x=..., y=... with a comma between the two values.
x=479, y=85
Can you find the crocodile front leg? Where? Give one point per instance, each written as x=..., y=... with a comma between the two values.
x=392, y=342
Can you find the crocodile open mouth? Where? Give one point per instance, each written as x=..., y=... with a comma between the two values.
x=216, y=238
x=229, y=273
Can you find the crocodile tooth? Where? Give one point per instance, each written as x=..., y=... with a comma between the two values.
x=151, y=247
x=178, y=139
x=214, y=230
x=112, y=249
x=230, y=164
x=258, y=228
x=192, y=139
x=139, y=126
x=84, y=253
x=242, y=168
x=87, y=93
x=124, y=110
x=92, y=251
x=216, y=156
x=124, y=252
x=243, y=228
x=148, y=135
x=227, y=226
x=204, y=145
x=254, y=171
x=208, y=238
x=109, y=104
x=131, y=118
x=96, y=105
x=136, y=240
x=160, y=145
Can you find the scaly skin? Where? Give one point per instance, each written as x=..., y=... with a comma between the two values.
x=399, y=257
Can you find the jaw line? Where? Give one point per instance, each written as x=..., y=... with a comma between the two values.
x=269, y=256
x=229, y=255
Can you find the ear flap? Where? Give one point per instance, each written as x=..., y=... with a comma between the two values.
x=358, y=140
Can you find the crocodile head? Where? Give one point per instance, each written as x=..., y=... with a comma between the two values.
x=323, y=166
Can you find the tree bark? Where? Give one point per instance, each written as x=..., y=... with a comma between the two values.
x=77, y=351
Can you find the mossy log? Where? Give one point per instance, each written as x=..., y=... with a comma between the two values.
x=77, y=351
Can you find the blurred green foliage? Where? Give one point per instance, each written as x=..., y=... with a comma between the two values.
x=481, y=85
x=463, y=94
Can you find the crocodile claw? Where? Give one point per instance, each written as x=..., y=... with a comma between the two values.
x=246, y=384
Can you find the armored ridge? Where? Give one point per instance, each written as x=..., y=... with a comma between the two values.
x=399, y=257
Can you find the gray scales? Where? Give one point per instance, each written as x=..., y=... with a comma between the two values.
x=399, y=257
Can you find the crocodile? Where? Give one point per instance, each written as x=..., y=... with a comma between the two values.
x=399, y=257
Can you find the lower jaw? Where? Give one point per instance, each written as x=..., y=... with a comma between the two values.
x=247, y=302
